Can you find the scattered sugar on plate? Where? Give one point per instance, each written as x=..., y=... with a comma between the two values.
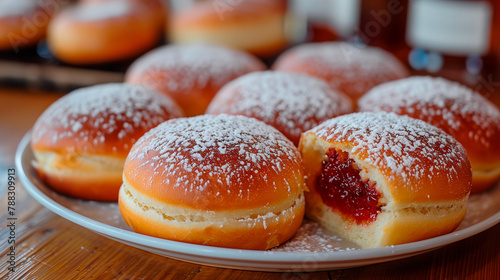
x=311, y=237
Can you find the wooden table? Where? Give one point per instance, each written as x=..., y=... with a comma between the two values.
x=50, y=247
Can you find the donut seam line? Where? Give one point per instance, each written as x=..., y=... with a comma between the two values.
x=180, y=218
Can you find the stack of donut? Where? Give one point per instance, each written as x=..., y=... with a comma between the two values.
x=261, y=149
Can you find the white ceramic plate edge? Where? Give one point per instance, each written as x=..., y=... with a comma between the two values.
x=242, y=259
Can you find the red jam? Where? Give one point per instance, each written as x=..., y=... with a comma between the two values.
x=341, y=188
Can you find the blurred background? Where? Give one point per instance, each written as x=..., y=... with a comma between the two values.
x=455, y=39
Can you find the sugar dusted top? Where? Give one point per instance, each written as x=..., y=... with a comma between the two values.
x=292, y=103
x=208, y=13
x=464, y=114
x=413, y=156
x=231, y=159
x=102, y=10
x=101, y=118
x=180, y=68
x=354, y=70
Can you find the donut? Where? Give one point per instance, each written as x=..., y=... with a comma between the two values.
x=158, y=7
x=191, y=74
x=23, y=23
x=217, y=180
x=82, y=140
x=103, y=31
x=380, y=179
x=256, y=26
x=456, y=109
x=350, y=69
x=290, y=102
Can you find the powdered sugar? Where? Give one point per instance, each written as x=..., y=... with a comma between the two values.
x=102, y=10
x=405, y=145
x=440, y=102
x=216, y=150
x=311, y=237
x=355, y=70
x=239, y=10
x=92, y=115
x=292, y=103
x=183, y=67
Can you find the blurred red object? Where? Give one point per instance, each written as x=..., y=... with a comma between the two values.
x=320, y=32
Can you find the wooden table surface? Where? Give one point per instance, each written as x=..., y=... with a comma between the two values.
x=50, y=247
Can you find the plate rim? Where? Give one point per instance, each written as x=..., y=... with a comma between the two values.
x=280, y=261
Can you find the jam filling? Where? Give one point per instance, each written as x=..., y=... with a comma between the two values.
x=341, y=188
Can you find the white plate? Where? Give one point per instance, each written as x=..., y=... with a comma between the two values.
x=310, y=250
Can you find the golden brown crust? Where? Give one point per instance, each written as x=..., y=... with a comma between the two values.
x=24, y=29
x=484, y=178
x=85, y=177
x=422, y=175
x=75, y=36
x=105, y=119
x=254, y=232
x=256, y=26
x=228, y=181
x=157, y=7
x=193, y=102
x=235, y=160
x=290, y=102
x=393, y=228
x=212, y=15
x=419, y=163
x=350, y=69
x=84, y=137
x=191, y=74
x=465, y=115
x=253, y=189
